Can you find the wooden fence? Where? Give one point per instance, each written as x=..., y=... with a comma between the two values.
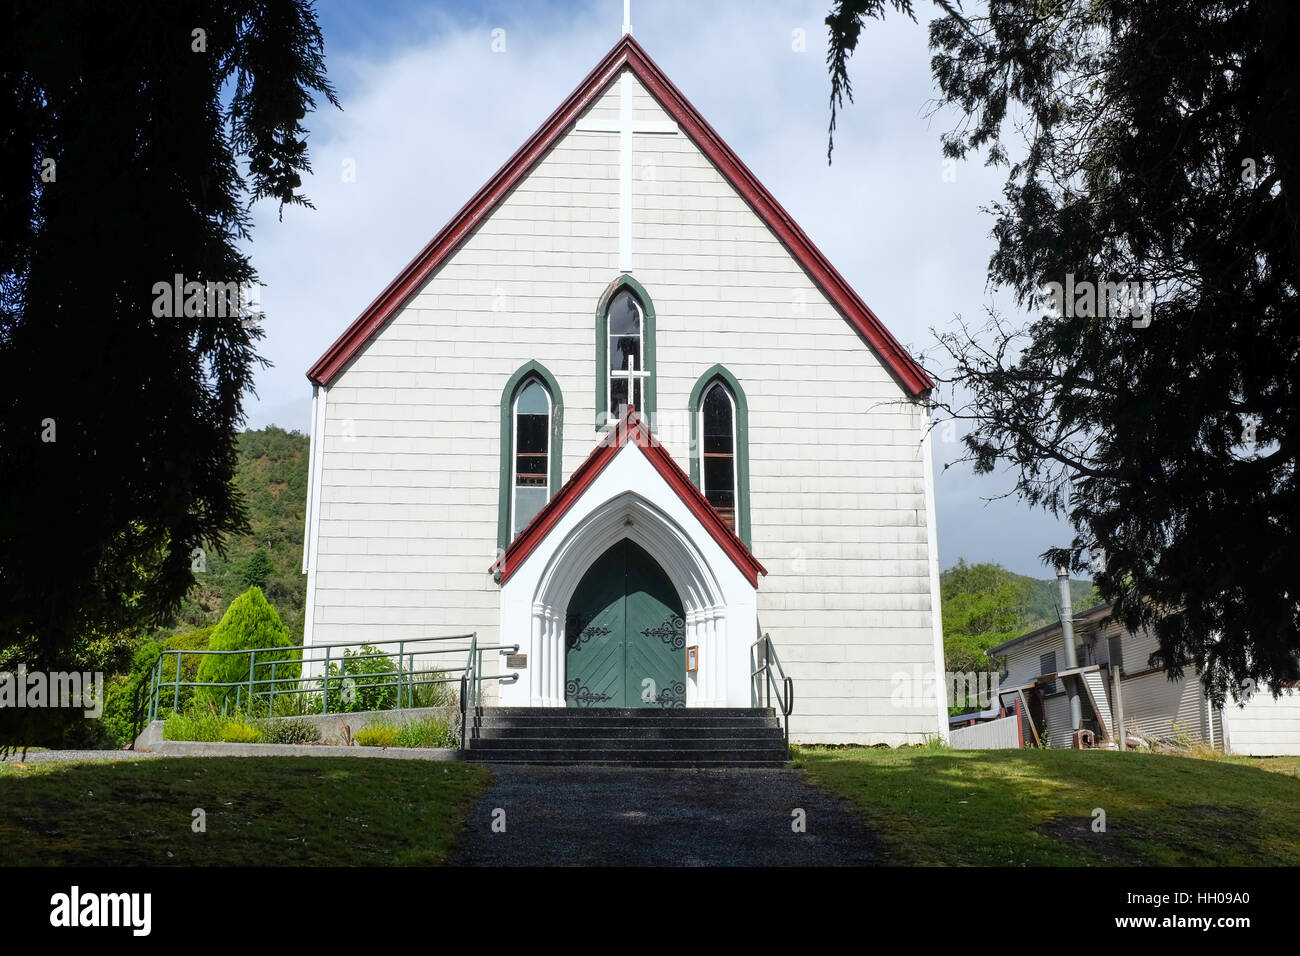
x=1000, y=734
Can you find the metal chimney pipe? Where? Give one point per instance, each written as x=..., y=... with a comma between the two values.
x=1071, y=658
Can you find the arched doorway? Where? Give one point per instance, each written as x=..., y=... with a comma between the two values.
x=625, y=634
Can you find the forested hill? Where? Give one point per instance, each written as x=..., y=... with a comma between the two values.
x=272, y=475
x=985, y=605
x=1044, y=601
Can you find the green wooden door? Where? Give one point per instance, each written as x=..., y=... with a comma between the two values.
x=625, y=636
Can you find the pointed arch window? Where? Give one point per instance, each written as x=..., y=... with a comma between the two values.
x=626, y=363
x=530, y=488
x=625, y=352
x=720, y=447
x=532, y=417
x=718, y=451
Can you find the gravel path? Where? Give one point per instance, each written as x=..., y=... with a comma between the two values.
x=46, y=756
x=611, y=816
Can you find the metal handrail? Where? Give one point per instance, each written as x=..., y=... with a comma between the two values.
x=786, y=699
x=404, y=679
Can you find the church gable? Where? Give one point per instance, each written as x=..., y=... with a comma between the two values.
x=625, y=257
x=627, y=114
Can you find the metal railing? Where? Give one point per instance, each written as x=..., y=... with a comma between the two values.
x=768, y=664
x=339, y=681
x=471, y=682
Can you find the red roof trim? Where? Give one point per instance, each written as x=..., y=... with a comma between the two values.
x=628, y=52
x=630, y=429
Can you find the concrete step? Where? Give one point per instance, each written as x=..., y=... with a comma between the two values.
x=627, y=736
x=632, y=724
x=627, y=743
x=640, y=757
x=682, y=713
x=607, y=729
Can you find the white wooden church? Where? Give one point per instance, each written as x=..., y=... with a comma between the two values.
x=622, y=412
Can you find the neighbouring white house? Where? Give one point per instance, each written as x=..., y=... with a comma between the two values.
x=1143, y=700
x=630, y=421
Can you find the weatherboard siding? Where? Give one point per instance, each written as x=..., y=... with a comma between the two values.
x=1265, y=726
x=408, y=490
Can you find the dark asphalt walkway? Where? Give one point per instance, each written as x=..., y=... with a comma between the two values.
x=613, y=816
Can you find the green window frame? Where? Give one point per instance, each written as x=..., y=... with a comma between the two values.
x=533, y=371
x=649, y=388
x=740, y=405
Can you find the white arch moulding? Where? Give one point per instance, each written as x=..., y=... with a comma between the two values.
x=718, y=601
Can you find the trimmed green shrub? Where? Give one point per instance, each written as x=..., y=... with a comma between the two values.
x=239, y=732
x=250, y=622
x=376, y=735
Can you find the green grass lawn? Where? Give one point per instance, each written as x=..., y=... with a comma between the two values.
x=1035, y=807
x=289, y=811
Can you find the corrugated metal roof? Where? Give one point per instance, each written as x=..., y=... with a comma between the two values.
x=1083, y=617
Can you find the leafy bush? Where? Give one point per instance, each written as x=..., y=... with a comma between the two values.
x=239, y=732
x=428, y=732
x=289, y=731
x=250, y=622
x=376, y=735
x=353, y=685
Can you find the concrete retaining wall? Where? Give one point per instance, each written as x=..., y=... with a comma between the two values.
x=184, y=748
x=330, y=727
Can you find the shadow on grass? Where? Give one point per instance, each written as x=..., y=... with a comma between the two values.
x=1033, y=807
x=280, y=811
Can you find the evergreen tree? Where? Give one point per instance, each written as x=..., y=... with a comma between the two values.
x=257, y=569
x=249, y=622
x=133, y=138
x=1155, y=407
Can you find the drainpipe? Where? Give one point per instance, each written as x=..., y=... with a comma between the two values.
x=1071, y=659
x=1117, y=703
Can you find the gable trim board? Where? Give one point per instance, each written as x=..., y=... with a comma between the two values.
x=631, y=430
x=311, y=519
x=626, y=53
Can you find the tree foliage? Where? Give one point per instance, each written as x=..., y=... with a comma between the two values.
x=983, y=605
x=257, y=569
x=271, y=477
x=1157, y=144
x=250, y=622
x=121, y=145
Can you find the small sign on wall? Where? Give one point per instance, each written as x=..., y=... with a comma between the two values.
x=692, y=658
x=517, y=660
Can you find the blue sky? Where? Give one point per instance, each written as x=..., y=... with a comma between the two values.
x=430, y=112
